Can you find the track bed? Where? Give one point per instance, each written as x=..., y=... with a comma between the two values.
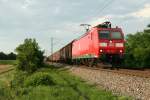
x=132, y=72
x=121, y=82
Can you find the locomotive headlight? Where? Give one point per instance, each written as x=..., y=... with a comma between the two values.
x=119, y=44
x=120, y=51
x=103, y=44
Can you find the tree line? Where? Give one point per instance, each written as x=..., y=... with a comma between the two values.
x=138, y=49
x=10, y=56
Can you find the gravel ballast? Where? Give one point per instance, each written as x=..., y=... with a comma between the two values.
x=137, y=87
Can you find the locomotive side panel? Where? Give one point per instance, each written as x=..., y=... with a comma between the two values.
x=86, y=46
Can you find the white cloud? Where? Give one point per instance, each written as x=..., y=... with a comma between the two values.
x=26, y=4
x=144, y=13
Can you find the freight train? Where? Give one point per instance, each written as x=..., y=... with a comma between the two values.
x=101, y=43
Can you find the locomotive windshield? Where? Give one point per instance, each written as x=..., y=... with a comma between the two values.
x=116, y=35
x=109, y=35
x=104, y=34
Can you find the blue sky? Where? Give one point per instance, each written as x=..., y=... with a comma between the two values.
x=61, y=19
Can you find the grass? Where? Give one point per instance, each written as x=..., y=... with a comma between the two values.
x=7, y=77
x=66, y=87
x=5, y=90
x=7, y=62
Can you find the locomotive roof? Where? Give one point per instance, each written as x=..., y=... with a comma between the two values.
x=97, y=28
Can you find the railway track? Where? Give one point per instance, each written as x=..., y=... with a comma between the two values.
x=139, y=73
x=131, y=72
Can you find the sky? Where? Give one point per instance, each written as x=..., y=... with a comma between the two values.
x=61, y=19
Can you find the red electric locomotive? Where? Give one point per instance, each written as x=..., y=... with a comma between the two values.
x=99, y=44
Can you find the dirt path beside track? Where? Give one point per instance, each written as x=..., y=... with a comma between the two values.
x=5, y=68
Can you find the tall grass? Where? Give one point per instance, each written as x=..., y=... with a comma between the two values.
x=5, y=90
x=5, y=93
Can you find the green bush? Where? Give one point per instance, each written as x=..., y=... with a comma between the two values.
x=38, y=78
x=29, y=57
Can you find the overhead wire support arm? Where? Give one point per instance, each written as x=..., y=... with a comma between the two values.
x=86, y=26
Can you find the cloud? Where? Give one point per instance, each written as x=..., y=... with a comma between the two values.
x=142, y=13
x=20, y=19
x=26, y=4
x=135, y=15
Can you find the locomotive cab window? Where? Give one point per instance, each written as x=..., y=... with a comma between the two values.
x=104, y=34
x=116, y=35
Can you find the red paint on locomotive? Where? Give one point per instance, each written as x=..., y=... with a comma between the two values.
x=99, y=41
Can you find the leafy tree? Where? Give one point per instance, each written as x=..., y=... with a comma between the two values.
x=29, y=57
x=138, y=50
x=148, y=29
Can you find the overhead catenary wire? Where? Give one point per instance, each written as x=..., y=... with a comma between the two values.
x=55, y=42
x=110, y=2
x=101, y=10
x=125, y=20
x=107, y=4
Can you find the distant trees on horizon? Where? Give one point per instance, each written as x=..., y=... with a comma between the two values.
x=10, y=56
